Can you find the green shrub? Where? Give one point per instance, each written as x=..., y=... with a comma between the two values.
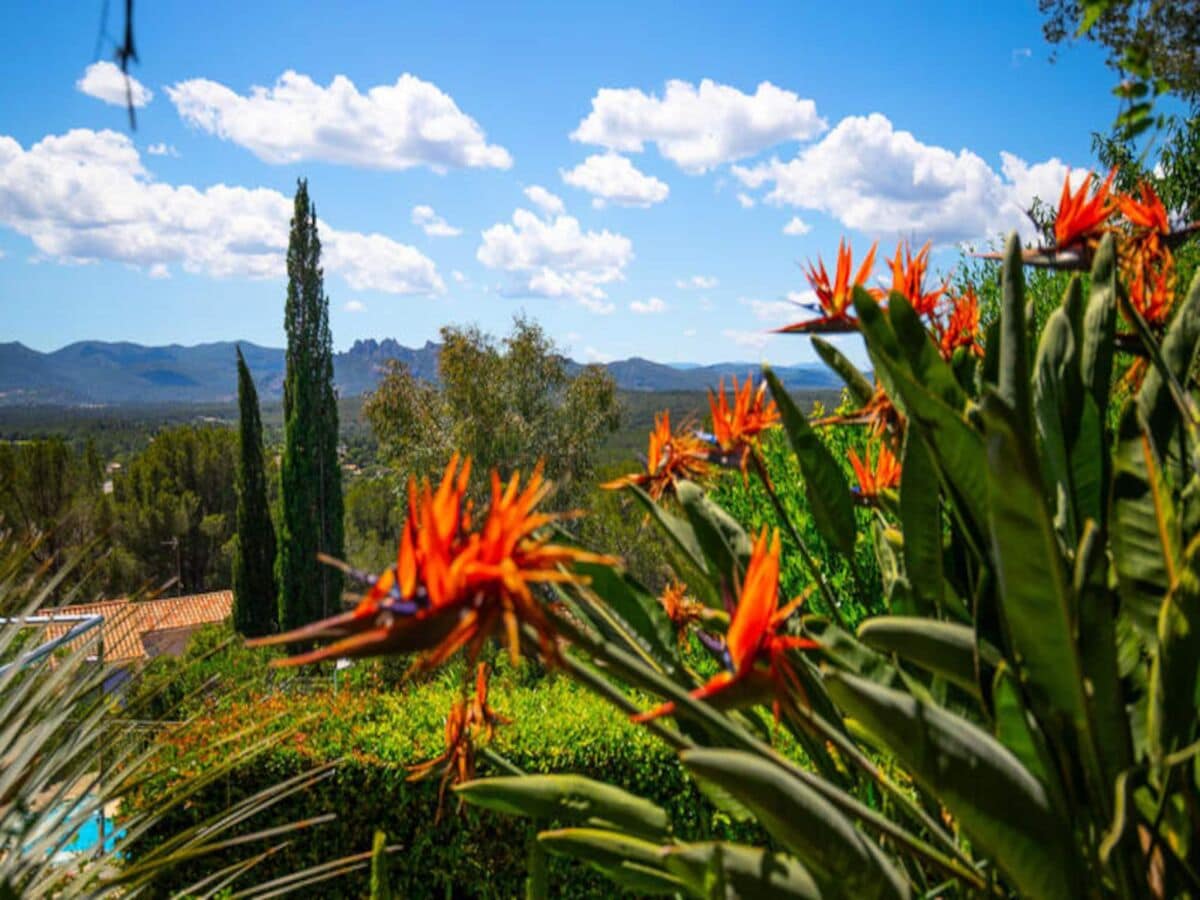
x=556, y=727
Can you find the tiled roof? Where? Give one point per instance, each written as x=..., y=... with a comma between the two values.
x=126, y=621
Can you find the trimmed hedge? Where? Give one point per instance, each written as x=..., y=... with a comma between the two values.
x=557, y=727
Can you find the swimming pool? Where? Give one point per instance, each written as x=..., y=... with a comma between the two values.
x=87, y=837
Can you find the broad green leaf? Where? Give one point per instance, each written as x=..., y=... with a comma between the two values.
x=683, y=536
x=989, y=370
x=1014, y=335
x=1056, y=397
x=921, y=517
x=1099, y=325
x=1144, y=532
x=629, y=861
x=1098, y=647
x=858, y=384
x=947, y=649
x=739, y=872
x=1035, y=596
x=999, y=803
x=825, y=483
x=724, y=542
x=956, y=447
x=631, y=613
x=1175, y=669
x=881, y=342
x=1090, y=460
x=840, y=857
x=568, y=798
x=924, y=358
x=1018, y=730
x=1158, y=407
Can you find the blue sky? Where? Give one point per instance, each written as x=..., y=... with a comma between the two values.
x=622, y=172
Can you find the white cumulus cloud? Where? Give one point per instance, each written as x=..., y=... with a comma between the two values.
x=85, y=196
x=698, y=282
x=745, y=200
x=355, y=306
x=105, y=81
x=796, y=227
x=161, y=149
x=555, y=257
x=698, y=127
x=612, y=178
x=390, y=126
x=433, y=224
x=881, y=181
x=750, y=340
x=648, y=306
x=550, y=204
x=773, y=312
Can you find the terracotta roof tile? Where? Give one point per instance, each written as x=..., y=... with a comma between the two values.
x=126, y=621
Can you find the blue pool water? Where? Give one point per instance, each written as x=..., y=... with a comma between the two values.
x=87, y=837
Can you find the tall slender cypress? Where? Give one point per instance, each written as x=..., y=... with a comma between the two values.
x=310, y=474
x=254, y=590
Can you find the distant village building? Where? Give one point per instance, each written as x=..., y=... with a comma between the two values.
x=137, y=630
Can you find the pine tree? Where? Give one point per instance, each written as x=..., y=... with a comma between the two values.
x=254, y=590
x=310, y=474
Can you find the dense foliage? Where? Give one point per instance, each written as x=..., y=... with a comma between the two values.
x=375, y=736
x=310, y=474
x=176, y=510
x=255, y=594
x=508, y=404
x=1020, y=718
x=50, y=497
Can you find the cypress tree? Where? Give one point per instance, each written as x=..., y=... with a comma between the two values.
x=254, y=591
x=310, y=474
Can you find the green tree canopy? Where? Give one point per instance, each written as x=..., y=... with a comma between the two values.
x=310, y=473
x=507, y=403
x=50, y=498
x=176, y=508
x=255, y=592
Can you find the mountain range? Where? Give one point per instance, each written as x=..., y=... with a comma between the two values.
x=104, y=373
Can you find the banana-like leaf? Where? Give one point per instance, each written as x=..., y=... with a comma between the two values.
x=858, y=384
x=921, y=516
x=1019, y=731
x=924, y=359
x=947, y=649
x=627, y=610
x=1099, y=325
x=720, y=871
x=1098, y=646
x=1057, y=392
x=1145, y=534
x=882, y=343
x=852, y=654
x=683, y=536
x=825, y=483
x=1175, y=669
x=724, y=542
x=629, y=861
x=988, y=374
x=956, y=447
x=1014, y=332
x=1035, y=595
x=840, y=857
x=997, y=800
x=1179, y=348
x=568, y=798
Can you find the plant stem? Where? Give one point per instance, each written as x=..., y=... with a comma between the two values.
x=809, y=560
